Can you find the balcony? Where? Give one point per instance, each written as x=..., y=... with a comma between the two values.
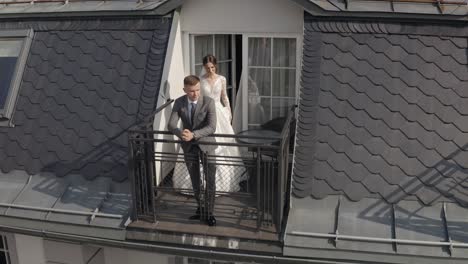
x=252, y=184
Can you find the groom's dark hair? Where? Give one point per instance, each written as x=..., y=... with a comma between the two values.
x=191, y=80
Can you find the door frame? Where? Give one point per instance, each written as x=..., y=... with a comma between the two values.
x=245, y=49
x=188, y=51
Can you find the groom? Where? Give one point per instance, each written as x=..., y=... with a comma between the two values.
x=198, y=115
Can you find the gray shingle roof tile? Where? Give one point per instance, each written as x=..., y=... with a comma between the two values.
x=79, y=90
x=391, y=117
x=320, y=189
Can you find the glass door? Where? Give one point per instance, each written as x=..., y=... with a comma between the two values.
x=270, y=74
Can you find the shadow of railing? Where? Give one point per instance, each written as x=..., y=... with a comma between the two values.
x=106, y=161
x=413, y=220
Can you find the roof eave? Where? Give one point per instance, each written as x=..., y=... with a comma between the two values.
x=148, y=9
x=316, y=10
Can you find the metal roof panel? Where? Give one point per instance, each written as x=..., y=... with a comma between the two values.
x=414, y=221
x=368, y=218
x=413, y=7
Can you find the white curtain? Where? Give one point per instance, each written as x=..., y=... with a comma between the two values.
x=237, y=112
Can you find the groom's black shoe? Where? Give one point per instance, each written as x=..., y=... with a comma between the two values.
x=197, y=215
x=211, y=220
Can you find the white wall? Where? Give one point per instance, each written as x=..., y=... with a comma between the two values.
x=242, y=16
x=124, y=256
x=172, y=84
x=173, y=73
x=36, y=250
x=29, y=249
x=61, y=252
x=93, y=254
x=175, y=79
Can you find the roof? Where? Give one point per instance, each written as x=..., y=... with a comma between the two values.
x=69, y=204
x=373, y=231
x=444, y=9
x=382, y=119
x=382, y=115
x=82, y=7
x=428, y=9
x=81, y=89
x=85, y=83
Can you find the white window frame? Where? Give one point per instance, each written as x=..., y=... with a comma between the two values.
x=27, y=35
x=245, y=67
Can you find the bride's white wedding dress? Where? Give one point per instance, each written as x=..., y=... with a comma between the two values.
x=228, y=176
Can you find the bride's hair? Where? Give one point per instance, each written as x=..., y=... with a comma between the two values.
x=210, y=58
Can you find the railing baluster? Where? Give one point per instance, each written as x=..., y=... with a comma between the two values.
x=150, y=176
x=265, y=189
x=259, y=181
x=131, y=168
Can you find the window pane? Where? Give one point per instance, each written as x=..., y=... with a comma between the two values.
x=259, y=52
x=203, y=47
x=2, y=246
x=259, y=82
x=284, y=82
x=7, y=68
x=284, y=52
x=225, y=70
x=223, y=47
x=3, y=258
x=281, y=107
x=10, y=48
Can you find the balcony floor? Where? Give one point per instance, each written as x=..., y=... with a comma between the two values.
x=235, y=215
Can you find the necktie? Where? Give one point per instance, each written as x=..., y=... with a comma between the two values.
x=192, y=111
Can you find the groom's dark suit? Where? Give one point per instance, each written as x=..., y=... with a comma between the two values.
x=202, y=124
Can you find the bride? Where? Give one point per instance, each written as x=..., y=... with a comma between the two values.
x=229, y=169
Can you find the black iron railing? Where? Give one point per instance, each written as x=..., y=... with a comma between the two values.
x=251, y=176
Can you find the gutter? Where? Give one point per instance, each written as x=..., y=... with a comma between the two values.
x=172, y=250
x=383, y=240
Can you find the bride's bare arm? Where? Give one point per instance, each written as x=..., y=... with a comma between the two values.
x=225, y=99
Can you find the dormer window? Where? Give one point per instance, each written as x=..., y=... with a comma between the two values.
x=14, y=48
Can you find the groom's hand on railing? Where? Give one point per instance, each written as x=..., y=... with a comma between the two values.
x=187, y=135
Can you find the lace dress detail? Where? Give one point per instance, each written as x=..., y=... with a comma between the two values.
x=228, y=176
x=217, y=91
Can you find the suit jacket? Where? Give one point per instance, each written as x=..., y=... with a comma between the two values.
x=204, y=122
